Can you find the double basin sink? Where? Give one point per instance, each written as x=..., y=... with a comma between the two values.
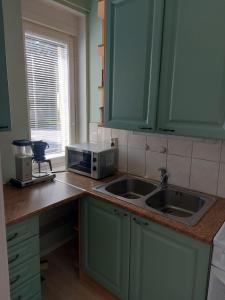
x=175, y=203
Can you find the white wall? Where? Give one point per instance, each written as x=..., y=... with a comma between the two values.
x=16, y=82
x=4, y=275
x=17, y=79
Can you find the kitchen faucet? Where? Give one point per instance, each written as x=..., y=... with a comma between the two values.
x=163, y=177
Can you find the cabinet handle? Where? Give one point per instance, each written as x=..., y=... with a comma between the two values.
x=14, y=280
x=13, y=237
x=146, y=128
x=19, y=297
x=14, y=259
x=167, y=130
x=120, y=214
x=116, y=212
x=140, y=222
x=4, y=127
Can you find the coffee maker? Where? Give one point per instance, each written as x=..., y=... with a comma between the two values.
x=29, y=157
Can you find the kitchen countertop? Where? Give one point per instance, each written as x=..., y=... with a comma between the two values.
x=22, y=203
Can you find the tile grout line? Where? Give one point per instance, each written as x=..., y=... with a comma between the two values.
x=192, y=149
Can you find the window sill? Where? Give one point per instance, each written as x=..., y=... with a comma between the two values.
x=56, y=156
x=58, y=161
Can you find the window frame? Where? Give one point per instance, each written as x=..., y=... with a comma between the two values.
x=46, y=32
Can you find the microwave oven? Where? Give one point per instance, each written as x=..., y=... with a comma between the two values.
x=92, y=160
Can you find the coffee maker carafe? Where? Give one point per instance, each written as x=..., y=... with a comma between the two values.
x=23, y=159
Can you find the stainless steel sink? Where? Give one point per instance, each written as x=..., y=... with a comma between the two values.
x=128, y=188
x=175, y=203
x=181, y=205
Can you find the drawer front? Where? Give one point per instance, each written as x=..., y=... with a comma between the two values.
x=21, y=231
x=23, y=272
x=29, y=290
x=23, y=251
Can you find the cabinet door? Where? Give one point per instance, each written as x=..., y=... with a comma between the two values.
x=165, y=264
x=105, y=245
x=192, y=84
x=133, y=49
x=4, y=96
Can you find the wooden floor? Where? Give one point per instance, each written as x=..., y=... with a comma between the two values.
x=61, y=280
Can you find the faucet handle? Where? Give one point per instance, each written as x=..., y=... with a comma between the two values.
x=163, y=170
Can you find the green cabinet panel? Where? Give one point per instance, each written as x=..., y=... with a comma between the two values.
x=192, y=83
x=21, y=231
x=28, y=291
x=166, y=264
x=23, y=272
x=106, y=244
x=5, y=123
x=37, y=297
x=23, y=251
x=133, y=49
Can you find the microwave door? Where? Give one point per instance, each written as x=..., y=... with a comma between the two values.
x=80, y=161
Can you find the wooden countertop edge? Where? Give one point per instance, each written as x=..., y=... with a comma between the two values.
x=200, y=233
x=151, y=216
x=38, y=211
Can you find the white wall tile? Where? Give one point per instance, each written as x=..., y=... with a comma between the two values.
x=180, y=146
x=122, y=136
x=136, y=161
x=93, y=132
x=157, y=143
x=207, y=149
x=104, y=135
x=179, y=170
x=154, y=161
x=223, y=152
x=204, y=176
x=122, y=162
x=221, y=181
x=137, y=141
x=202, y=173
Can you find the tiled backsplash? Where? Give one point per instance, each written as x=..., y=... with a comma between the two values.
x=198, y=164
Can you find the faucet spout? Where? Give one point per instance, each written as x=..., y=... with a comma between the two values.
x=163, y=177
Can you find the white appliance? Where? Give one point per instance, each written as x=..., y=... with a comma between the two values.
x=92, y=160
x=4, y=273
x=217, y=274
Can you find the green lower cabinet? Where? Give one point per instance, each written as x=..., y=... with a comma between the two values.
x=166, y=265
x=106, y=245
x=140, y=260
x=24, y=260
x=30, y=290
x=23, y=251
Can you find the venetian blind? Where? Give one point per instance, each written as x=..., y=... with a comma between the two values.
x=47, y=77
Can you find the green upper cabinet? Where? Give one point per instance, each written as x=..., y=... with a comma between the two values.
x=133, y=49
x=5, y=124
x=106, y=245
x=192, y=84
x=166, y=265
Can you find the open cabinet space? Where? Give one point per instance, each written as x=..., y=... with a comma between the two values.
x=61, y=279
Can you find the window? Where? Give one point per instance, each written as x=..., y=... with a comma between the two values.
x=48, y=78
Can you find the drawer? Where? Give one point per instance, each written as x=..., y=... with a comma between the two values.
x=23, y=272
x=23, y=251
x=21, y=231
x=29, y=290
